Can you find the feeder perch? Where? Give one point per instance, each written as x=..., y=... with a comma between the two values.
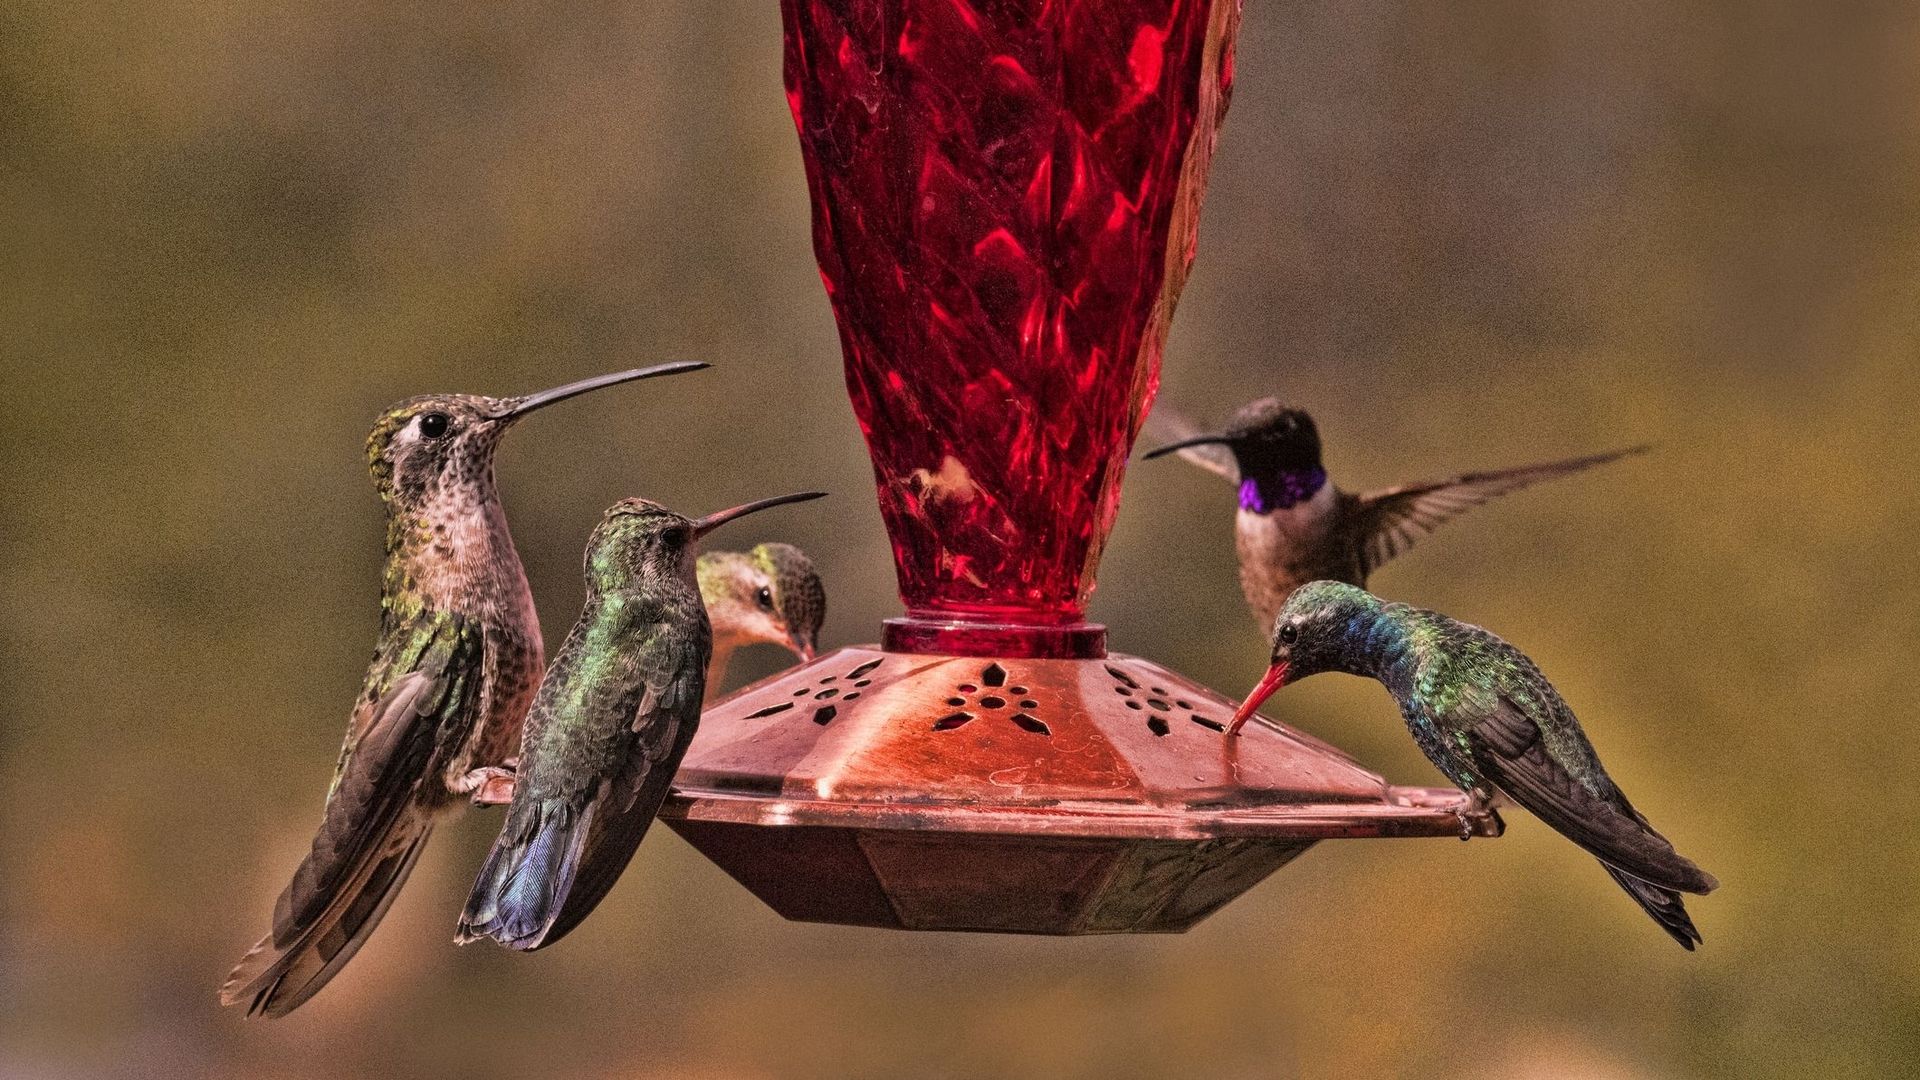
x=1005, y=200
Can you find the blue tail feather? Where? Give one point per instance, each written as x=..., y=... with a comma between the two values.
x=520, y=890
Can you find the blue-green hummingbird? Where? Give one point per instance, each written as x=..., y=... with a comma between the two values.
x=454, y=666
x=1295, y=525
x=1491, y=722
x=607, y=729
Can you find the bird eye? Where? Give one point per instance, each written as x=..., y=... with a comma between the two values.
x=434, y=424
x=1289, y=634
x=764, y=598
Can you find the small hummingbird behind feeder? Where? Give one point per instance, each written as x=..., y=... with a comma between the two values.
x=771, y=595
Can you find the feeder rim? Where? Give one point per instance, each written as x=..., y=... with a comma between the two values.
x=1407, y=812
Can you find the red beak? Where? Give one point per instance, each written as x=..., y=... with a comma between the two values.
x=1276, y=678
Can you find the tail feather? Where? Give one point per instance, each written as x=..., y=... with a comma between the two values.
x=291, y=964
x=614, y=839
x=1664, y=905
x=524, y=884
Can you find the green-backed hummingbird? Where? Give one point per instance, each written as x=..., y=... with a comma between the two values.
x=1487, y=718
x=1295, y=525
x=770, y=595
x=455, y=664
x=607, y=729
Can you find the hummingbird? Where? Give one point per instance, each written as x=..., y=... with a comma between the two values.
x=454, y=666
x=607, y=729
x=1294, y=525
x=769, y=595
x=1491, y=722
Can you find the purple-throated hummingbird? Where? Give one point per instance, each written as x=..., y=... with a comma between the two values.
x=1485, y=716
x=607, y=729
x=1294, y=525
x=455, y=664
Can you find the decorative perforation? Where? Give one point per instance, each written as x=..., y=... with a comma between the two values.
x=1157, y=702
x=824, y=689
x=1000, y=696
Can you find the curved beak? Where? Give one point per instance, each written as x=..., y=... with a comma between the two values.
x=1197, y=440
x=705, y=525
x=1276, y=678
x=521, y=406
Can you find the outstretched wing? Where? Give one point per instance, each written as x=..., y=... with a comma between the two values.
x=421, y=689
x=1513, y=756
x=1391, y=520
x=1166, y=425
x=672, y=670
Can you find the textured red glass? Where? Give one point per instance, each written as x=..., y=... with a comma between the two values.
x=1005, y=197
x=1005, y=194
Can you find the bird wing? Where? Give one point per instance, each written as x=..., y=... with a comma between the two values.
x=1392, y=519
x=424, y=681
x=1513, y=756
x=1166, y=425
x=671, y=667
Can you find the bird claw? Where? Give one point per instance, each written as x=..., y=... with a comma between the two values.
x=493, y=785
x=1478, y=804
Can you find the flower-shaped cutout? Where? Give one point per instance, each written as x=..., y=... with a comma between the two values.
x=993, y=693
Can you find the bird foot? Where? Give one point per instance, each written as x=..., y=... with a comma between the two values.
x=493, y=785
x=1477, y=806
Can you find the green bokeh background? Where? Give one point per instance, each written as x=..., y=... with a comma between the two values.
x=1463, y=235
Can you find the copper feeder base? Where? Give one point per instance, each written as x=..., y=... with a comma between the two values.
x=1037, y=796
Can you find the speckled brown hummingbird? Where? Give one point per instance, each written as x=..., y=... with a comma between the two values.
x=607, y=729
x=1485, y=716
x=453, y=669
x=1294, y=525
x=770, y=595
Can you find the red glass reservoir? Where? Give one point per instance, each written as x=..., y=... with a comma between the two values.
x=1005, y=201
x=994, y=187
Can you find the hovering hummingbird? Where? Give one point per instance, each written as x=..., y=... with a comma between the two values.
x=453, y=670
x=770, y=595
x=1295, y=526
x=1482, y=712
x=607, y=730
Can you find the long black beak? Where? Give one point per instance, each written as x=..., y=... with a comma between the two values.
x=519, y=407
x=705, y=525
x=1197, y=440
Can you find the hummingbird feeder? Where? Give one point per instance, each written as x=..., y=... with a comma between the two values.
x=1005, y=201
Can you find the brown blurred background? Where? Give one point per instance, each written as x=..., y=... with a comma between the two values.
x=1464, y=235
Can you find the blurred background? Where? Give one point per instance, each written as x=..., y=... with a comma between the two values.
x=1465, y=236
